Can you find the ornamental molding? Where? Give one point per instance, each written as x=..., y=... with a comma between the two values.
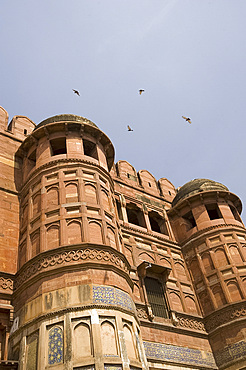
x=69, y=310
x=188, y=243
x=224, y=316
x=136, y=231
x=189, y=322
x=6, y=284
x=71, y=256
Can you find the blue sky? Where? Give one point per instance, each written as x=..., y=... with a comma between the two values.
x=188, y=55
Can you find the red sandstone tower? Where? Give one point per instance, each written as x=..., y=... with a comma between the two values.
x=105, y=268
x=206, y=222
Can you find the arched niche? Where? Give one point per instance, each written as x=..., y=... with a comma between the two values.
x=205, y=302
x=105, y=201
x=53, y=236
x=52, y=197
x=35, y=242
x=219, y=296
x=190, y=304
x=195, y=269
x=146, y=257
x=95, y=232
x=111, y=237
x=82, y=342
x=136, y=291
x=74, y=232
x=180, y=270
x=90, y=194
x=175, y=301
x=109, y=343
x=207, y=262
x=234, y=291
x=36, y=204
x=129, y=342
x=235, y=254
x=71, y=193
x=221, y=258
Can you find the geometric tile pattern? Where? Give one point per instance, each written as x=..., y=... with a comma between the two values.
x=112, y=296
x=232, y=352
x=55, y=346
x=182, y=355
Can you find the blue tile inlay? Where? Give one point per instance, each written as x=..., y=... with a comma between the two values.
x=179, y=354
x=232, y=352
x=112, y=296
x=55, y=346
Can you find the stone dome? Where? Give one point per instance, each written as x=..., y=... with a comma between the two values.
x=66, y=118
x=197, y=186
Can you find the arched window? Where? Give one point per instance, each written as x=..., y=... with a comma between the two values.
x=135, y=215
x=55, y=345
x=108, y=339
x=157, y=223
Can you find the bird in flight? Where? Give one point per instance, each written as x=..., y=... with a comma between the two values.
x=129, y=128
x=140, y=91
x=76, y=92
x=187, y=119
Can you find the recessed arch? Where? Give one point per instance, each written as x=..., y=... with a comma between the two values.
x=74, y=232
x=109, y=343
x=95, y=232
x=82, y=341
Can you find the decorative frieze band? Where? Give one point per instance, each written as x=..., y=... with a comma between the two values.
x=225, y=315
x=190, y=322
x=71, y=255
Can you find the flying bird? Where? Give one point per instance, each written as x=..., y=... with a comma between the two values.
x=129, y=128
x=187, y=119
x=141, y=91
x=76, y=92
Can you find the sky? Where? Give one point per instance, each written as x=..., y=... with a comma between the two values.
x=188, y=55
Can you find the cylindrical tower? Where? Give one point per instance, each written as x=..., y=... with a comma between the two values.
x=205, y=217
x=73, y=305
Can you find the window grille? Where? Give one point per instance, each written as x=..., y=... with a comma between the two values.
x=156, y=297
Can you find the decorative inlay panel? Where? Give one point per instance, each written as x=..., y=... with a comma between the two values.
x=112, y=296
x=55, y=346
x=236, y=351
x=176, y=354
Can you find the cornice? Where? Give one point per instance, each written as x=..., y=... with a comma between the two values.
x=73, y=257
x=225, y=316
x=67, y=310
x=204, y=232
